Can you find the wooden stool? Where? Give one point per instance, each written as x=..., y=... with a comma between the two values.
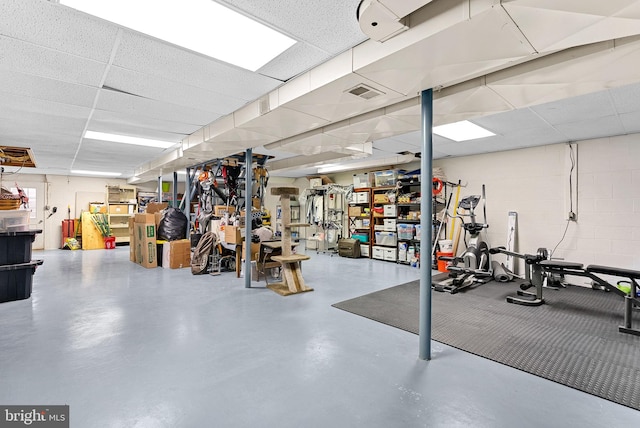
x=292, y=281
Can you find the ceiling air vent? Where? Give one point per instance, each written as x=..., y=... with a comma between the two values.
x=364, y=91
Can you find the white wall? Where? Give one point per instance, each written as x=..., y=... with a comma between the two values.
x=534, y=183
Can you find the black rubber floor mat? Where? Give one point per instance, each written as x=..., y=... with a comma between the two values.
x=572, y=339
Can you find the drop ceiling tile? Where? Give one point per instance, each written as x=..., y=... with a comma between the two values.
x=631, y=122
x=297, y=59
x=128, y=124
x=625, y=98
x=128, y=104
x=39, y=88
x=180, y=93
x=33, y=59
x=58, y=28
x=330, y=25
x=594, y=128
x=576, y=109
x=154, y=57
x=511, y=121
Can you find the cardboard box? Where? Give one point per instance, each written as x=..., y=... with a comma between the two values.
x=355, y=211
x=315, y=182
x=255, y=250
x=145, y=244
x=234, y=234
x=176, y=254
x=145, y=218
x=118, y=209
x=154, y=207
x=380, y=198
x=97, y=208
x=221, y=210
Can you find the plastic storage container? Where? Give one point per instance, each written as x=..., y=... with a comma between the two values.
x=15, y=247
x=405, y=231
x=14, y=220
x=16, y=280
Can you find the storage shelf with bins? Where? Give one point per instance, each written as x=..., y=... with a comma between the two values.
x=121, y=204
x=408, y=221
x=384, y=220
x=360, y=224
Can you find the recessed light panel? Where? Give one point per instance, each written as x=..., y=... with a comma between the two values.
x=126, y=139
x=203, y=26
x=462, y=131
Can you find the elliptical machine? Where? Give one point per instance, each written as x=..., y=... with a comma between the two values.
x=476, y=260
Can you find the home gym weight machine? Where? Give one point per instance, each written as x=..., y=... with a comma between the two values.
x=533, y=276
x=631, y=298
x=476, y=260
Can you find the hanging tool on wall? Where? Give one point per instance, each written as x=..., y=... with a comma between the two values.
x=261, y=175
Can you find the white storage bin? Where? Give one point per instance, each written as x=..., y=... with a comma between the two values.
x=14, y=220
x=386, y=238
x=389, y=211
x=362, y=197
x=378, y=253
x=390, y=254
x=364, y=250
x=389, y=224
x=418, y=228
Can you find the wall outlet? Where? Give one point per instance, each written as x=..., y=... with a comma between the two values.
x=572, y=216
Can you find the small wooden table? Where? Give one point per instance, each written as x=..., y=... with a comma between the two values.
x=292, y=281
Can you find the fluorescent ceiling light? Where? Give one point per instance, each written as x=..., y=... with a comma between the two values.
x=462, y=131
x=85, y=172
x=125, y=139
x=203, y=26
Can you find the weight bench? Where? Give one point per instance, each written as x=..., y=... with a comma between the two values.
x=630, y=299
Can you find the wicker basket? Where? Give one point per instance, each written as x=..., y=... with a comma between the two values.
x=8, y=200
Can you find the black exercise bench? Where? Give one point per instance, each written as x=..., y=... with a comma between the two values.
x=630, y=298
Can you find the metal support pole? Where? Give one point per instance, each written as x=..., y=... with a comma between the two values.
x=187, y=198
x=426, y=214
x=247, y=217
x=159, y=188
x=175, y=190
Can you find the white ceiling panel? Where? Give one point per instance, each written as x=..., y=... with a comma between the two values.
x=129, y=124
x=592, y=128
x=330, y=25
x=57, y=27
x=302, y=54
x=511, y=121
x=128, y=104
x=625, y=99
x=20, y=107
x=154, y=57
x=179, y=93
x=577, y=109
x=36, y=87
x=37, y=60
x=631, y=122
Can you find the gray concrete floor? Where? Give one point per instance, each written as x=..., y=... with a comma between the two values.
x=126, y=346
